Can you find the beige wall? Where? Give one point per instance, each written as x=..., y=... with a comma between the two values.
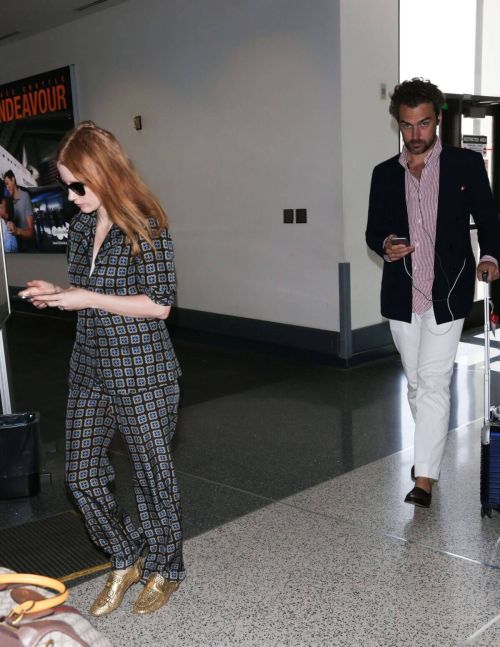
x=248, y=108
x=369, y=58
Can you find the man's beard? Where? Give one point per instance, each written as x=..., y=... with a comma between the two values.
x=420, y=146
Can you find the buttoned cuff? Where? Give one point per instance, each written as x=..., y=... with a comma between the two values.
x=386, y=258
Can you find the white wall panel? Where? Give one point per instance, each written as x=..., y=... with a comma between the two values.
x=241, y=110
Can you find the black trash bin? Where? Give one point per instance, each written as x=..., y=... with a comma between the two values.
x=19, y=455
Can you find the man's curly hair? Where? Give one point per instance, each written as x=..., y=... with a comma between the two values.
x=414, y=92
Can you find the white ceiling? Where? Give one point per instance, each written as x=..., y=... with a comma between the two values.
x=32, y=16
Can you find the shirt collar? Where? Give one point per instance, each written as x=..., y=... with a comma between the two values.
x=431, y=158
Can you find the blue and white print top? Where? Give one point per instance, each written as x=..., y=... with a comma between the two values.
x=121, y=354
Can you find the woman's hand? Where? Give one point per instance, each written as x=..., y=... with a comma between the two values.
x=69, y=299
x=43, y=294
x=37, y=290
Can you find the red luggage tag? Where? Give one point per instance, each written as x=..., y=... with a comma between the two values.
x=493, y=321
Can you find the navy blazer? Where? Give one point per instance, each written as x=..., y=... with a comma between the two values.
x=115, y=353
x=464, y=191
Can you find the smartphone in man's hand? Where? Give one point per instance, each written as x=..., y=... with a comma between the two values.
x=400, y=240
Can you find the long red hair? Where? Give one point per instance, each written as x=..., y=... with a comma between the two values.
x=94, y=157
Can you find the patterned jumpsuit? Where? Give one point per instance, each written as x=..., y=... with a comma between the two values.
x=123, y=376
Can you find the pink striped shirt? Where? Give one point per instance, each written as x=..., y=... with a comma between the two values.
x=422, y=204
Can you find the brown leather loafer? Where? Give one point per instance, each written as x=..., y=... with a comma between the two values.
x=155, y=594
x=115, y=588
x=419, y=497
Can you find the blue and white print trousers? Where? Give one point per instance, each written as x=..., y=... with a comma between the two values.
x=146, y=421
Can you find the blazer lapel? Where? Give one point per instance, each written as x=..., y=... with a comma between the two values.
x=401, y=200
x=445, y=191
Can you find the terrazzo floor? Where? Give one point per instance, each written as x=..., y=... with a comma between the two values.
x=293, y=477
x=324, y=567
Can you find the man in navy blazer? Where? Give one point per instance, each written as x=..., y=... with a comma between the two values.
x=418, y=222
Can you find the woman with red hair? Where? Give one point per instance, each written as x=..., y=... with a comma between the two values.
x=123, y=371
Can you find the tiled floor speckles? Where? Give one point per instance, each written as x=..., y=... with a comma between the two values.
x=372, y=497
x=320, y=568
x=297, y=534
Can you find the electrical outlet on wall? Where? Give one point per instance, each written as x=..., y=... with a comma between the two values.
x=301, y=215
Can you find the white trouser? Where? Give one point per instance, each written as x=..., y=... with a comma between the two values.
x=428, y=352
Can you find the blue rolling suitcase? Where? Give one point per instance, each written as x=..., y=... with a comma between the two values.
x=490, y=434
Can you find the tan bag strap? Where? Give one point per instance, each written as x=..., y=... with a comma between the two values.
x=31, y=606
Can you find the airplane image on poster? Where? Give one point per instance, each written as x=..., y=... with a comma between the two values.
x=35, y=114
x=50, y=209
x=26, y=176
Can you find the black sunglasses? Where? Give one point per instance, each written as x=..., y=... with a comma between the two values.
x=76, y=187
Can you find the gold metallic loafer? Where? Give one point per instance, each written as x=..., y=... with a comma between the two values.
x=155, y=594
x=115, y=588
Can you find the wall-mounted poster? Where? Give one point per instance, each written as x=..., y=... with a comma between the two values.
x=35, y=113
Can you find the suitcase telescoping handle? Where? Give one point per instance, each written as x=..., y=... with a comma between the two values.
x=487, y=328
